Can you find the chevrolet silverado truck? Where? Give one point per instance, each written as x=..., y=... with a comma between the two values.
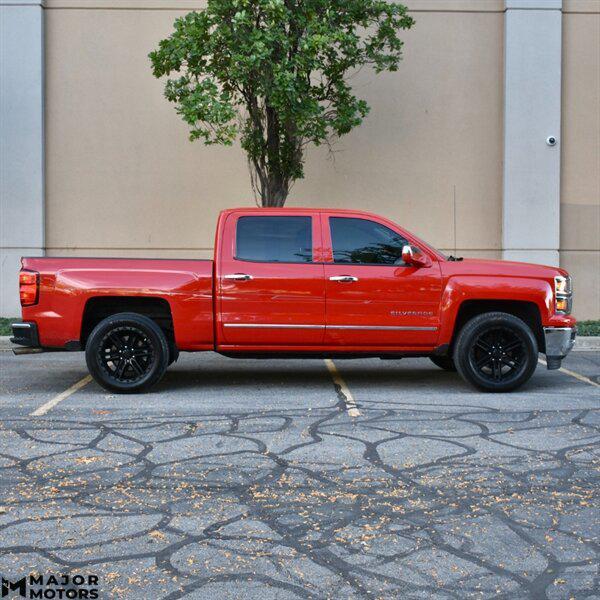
x=302, y=283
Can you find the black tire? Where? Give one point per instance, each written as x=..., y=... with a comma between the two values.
x=496, y=352
x=127, y=353
x=443, y=362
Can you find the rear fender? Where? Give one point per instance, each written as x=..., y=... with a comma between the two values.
x=68, y=283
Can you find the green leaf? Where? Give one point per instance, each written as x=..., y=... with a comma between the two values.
x=274, y=73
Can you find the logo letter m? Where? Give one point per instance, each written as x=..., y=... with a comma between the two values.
x=18, y=586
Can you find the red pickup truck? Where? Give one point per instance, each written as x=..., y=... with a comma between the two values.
x=302, y=283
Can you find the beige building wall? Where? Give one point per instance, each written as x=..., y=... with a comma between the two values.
x=429, y=155
x=122, y=179
x=580, y=183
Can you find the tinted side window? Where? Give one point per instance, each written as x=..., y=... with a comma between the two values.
x=361, y=241
x=274, y=239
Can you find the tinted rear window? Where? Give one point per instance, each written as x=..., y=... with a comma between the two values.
x=274, y=239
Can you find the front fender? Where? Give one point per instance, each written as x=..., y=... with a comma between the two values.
x=462, y=288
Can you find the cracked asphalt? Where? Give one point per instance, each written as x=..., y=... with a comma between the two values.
x=250, y=479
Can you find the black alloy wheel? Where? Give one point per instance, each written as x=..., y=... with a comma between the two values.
x=127, y=353
x=496, y=352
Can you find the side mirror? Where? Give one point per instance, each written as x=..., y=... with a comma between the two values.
x=413, y=256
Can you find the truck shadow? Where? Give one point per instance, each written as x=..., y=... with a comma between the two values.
x=250, y=374
x=237, y=375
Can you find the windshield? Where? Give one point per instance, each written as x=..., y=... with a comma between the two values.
x=445, y=256
x=442, y=254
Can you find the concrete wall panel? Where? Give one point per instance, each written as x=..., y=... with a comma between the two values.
x=580, y=182
x=532, y=108
x=21, y=143
x=584, y=268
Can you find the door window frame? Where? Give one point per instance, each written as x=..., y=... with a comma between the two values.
x=316, y=233
x=328, y=240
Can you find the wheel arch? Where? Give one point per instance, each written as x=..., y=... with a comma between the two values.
x=98, y=308
x=527, y=311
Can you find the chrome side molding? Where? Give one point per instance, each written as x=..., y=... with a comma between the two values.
x=359, y=327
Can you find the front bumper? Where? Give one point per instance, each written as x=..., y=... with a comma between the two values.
x=559, y=342
x=25, y=334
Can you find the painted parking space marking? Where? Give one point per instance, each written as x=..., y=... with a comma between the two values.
x=44, y=408
x=577, y=376
x=338, y=380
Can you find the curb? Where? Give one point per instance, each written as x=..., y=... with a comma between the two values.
x=586, y=344
x=5, y=343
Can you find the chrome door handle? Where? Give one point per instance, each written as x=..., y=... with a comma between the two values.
x=343, y=278
x=238, y=277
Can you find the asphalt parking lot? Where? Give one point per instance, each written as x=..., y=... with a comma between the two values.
x=265, y=479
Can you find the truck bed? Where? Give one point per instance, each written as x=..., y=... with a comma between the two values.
x=68, y=284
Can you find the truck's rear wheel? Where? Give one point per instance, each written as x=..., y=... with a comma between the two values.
x=127, y=353
x=496, y=352
x=443, y=362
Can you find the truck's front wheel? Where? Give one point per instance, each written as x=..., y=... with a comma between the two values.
x=496, y=352
x=127, y=353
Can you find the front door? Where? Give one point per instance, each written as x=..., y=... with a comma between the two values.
x=373, y=298
x=271, y=289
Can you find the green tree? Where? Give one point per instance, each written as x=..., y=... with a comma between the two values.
x=275, y=73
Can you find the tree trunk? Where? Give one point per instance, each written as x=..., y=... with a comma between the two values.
x=272, y=189
x=276, y=192
x=275, y=167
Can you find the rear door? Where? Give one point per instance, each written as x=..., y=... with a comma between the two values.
x=271, y=287
x=373, y=298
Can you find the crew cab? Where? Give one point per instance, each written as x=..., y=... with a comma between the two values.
x=303, y=283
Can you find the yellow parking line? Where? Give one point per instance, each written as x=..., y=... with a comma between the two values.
x=351, y=406
x=44, y=408
x=577, y=376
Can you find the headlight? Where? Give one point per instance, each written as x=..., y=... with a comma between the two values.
x=563, y=292
x=562, y=285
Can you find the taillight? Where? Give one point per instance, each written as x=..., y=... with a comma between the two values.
x=29, y=287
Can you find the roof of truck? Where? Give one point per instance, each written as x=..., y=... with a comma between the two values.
x=285, y=209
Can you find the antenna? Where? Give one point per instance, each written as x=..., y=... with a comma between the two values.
x=454, y=214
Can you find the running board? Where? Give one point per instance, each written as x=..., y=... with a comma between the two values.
x=19, y=351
